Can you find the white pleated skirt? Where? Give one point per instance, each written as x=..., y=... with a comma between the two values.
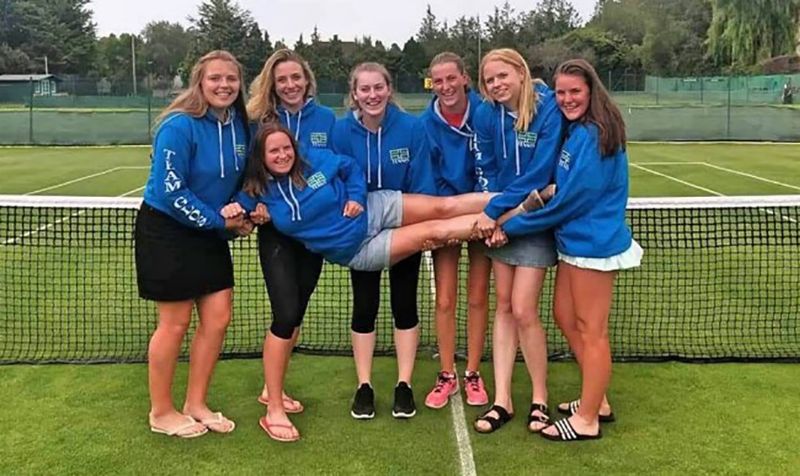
x=630, y=258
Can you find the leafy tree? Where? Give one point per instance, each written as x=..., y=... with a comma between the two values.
x=222, y=24
x=745, y=32
x=165, y=47
x=502, y=27
x=14, y=60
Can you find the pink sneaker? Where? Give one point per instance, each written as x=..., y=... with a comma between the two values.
x=446, y=385
x=475, y=390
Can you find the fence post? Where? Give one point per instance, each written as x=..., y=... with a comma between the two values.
x=728, y=121
x=702, y=85
x=30, y=114
x=658, y=81
x=149, y=109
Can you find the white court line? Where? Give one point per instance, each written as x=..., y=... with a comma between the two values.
x=465, y=456
x=674, y=179
x=462, y=436
x=707, y=190
x=669, y=163
x=755, y=177
x=79, y=179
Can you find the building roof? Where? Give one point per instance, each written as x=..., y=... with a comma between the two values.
x=13, y=78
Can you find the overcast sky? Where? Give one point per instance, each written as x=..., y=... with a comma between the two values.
x=389, y=21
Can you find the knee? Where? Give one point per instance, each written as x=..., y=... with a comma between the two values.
x=445, y=206
x=477, y=303
x=363, y=324
x=216, y=324
x=526, y=318
x=282, y=330
x=445, y=305
x=174, y=329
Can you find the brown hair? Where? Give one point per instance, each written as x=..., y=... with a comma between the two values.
x=264, y=101
x=192, y=102
x=372, y=68
x=256, y=175
x=450, y=57
x=528, y=97
x=601, y=111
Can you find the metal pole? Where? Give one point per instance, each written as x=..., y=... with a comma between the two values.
x=480, y=34
x=133, y=62
x=30, y=114
x=728, y=122
x=46, y=70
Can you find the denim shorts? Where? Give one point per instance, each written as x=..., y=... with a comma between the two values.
x=529, y=251
x=384, y=213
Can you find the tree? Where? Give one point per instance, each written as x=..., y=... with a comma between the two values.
x=14, y=60
x=222, y=24
x=551, y=19
x=165, y=47
x=502, y=27
x=61, y=30
x=745, y=32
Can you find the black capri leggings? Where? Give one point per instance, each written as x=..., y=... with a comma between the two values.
x=291, y=273
x=403, y=280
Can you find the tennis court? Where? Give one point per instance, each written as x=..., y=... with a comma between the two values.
x=675, y=418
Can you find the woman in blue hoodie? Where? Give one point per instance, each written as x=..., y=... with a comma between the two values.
x=449, y=125
x=519, y=132
x=284, y=92
x=182, y=256
x=390, y=146
x=592, y=238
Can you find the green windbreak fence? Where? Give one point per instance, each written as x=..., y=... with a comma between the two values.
x=745, y=108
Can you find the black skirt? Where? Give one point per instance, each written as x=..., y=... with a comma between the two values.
x=177, y=263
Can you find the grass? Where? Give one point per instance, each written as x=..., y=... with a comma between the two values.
x=673, y=419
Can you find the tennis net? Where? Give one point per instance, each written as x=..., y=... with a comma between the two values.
x=719, y=282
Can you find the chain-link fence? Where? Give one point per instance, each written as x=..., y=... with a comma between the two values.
x=49, y=110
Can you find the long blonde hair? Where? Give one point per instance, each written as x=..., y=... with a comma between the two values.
x=371, y=68
x=264, y=100
x=528, y=97
x=192, y=102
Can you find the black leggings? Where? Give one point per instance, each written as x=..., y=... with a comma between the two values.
x=291, y=273
x=403, y=279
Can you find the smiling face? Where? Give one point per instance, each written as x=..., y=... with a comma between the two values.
x=503, y=82
x=449, y=85
x=572, y=96
x=278, y=153
x=291, y=84
x=220, y=84
x=371, y=93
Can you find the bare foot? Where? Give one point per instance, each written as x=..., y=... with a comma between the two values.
x=170, y=422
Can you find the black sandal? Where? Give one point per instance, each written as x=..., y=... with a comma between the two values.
x=494, y=423
x=543, y=418
x=567, y=433
x=571, y=408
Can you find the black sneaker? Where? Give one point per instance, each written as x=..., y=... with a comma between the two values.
x=363, y=403
x=404, y=406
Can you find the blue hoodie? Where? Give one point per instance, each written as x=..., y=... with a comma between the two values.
x=514, y=162
x=588, y=209
x=196, y=167
x=311, y=126
x=396, y=157
x=452, y=148
x=313, y=214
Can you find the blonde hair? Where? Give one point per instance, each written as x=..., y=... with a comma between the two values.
x=191, y=101
x=528, y=97
x=371, y=68
x=264, y=99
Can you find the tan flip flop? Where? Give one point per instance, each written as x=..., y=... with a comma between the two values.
x=181, y=431
x=218, y=423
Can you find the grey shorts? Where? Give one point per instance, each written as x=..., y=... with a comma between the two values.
x=529, y=251
x=384, y=213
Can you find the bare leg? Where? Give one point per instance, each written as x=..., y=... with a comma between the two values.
x=592, y=296
x=162, y=357
x=405, y=342
x=445, y=267
x=215, y=315
x=567, y=321
x=504, y=341
x=419, y=208
x=527, y=287
x=480, y=267
x=363, y=349
x=277, y=352
x=267, y=358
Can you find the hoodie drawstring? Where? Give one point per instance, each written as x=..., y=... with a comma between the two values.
x=221, y=158
x=380, y=181
x=294, y=205
x=369, y=166
x=503, y=130
x=235, y=155
x=289, y=123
